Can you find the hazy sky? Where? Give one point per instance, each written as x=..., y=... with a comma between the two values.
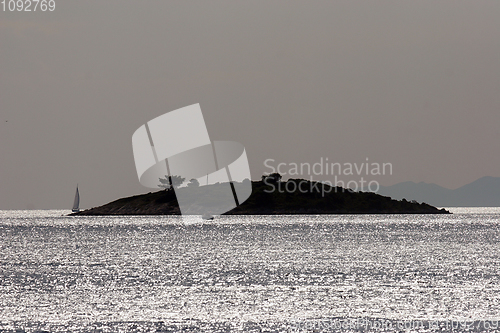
x=412, y=83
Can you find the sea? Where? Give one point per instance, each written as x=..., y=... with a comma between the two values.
x=283, y=273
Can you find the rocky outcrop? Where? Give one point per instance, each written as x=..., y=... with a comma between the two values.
x=275, y=198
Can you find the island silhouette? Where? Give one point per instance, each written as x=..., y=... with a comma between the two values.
x=270, y=196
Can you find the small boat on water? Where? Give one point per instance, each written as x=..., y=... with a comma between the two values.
x=76, y=203
x=207, y=216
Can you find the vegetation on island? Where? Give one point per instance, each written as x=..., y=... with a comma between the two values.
x=271, y=195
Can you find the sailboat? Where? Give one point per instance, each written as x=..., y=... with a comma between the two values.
x=76, y=203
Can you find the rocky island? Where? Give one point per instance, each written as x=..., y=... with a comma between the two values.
x=271, y=196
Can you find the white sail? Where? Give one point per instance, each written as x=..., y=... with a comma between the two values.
x=76, y=203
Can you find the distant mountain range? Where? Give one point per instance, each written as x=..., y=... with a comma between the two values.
x=484, y=192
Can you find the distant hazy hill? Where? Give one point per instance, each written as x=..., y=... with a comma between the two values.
x=484, y=192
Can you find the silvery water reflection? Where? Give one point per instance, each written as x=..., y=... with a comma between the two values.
x=244, y=272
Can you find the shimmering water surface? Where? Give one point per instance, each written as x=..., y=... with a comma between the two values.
x=250, y=273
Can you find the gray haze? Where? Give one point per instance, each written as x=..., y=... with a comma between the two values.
x=413, y=83
x=484, y=192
